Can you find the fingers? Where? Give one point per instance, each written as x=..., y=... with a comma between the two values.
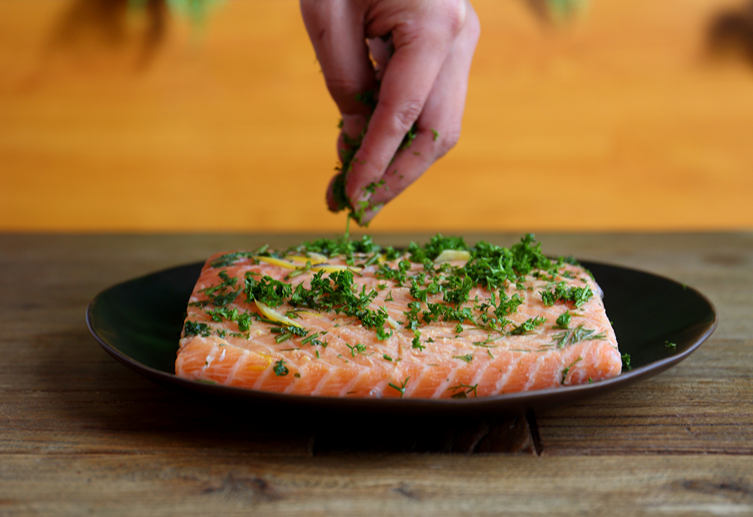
x=423, y=81
x=420, y=52
x=336, y=30
x=442, y=112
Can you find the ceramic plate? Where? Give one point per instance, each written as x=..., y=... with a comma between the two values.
x=139, y=322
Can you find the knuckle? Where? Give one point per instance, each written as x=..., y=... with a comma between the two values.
x=447, y=140
x=455, y=16
x=407, y=113
x=342, y=87
x=473, y=26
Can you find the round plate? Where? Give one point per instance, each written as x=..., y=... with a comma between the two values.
x=139, y=323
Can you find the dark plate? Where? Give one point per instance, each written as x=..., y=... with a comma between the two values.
x=139, y=322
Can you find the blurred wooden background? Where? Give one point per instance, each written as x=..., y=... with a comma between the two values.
x=619, y=121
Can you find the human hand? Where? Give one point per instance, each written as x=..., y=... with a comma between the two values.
x=424, y=81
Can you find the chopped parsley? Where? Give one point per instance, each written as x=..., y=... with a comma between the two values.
x=563, y=321
x=192, y=328
x=467, y=358
x=280, y=369
x=527, y=326
x=417, y=341
x=560, y=292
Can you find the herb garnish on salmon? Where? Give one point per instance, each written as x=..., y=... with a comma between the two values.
x=351, y=318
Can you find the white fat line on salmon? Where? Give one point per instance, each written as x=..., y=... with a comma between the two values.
x=425, y=369
x=502, y=382
x=563, y=359
x=346, y=389
x=241, y=360
x=480, y=374
x=566, y=371
x=209, y=359
x=449, y=381
x=325, y=378
x=267, y=372
x=532, y=374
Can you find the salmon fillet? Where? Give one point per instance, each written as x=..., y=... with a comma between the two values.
x=351, y=319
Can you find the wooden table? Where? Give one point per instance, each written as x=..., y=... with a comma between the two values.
x=81, y=434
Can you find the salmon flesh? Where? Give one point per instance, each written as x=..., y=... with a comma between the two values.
x=341, y=318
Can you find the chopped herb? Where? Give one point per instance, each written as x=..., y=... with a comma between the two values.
x=579, y=333
x=387, y=357
x=577, y=295
x=191, y=328
x=436, y=134
x=357, y=348
x=305, y=269
x=467, y=358
x=464, y=394
x=563, y=321
x=626, y=361
x=230, y=258
x=280, y=369
x=528, y=325
x=489, y=339
x=567, y=370
x=370, y=99
x=401, y=389
x=416, y=341
x=297, y=375
x=669, y=345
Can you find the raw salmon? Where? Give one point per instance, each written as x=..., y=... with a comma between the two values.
x=351, y=319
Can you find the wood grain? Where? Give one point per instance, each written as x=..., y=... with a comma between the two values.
x=81, y=434
x=235, y=484
x=619, y=121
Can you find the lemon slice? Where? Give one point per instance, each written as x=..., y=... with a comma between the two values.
x=451, y=256
x=277, y=262
x=331, y=268
x=273, y=315
x=314, y=258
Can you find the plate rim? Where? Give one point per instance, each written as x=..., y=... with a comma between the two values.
x=523, y=398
